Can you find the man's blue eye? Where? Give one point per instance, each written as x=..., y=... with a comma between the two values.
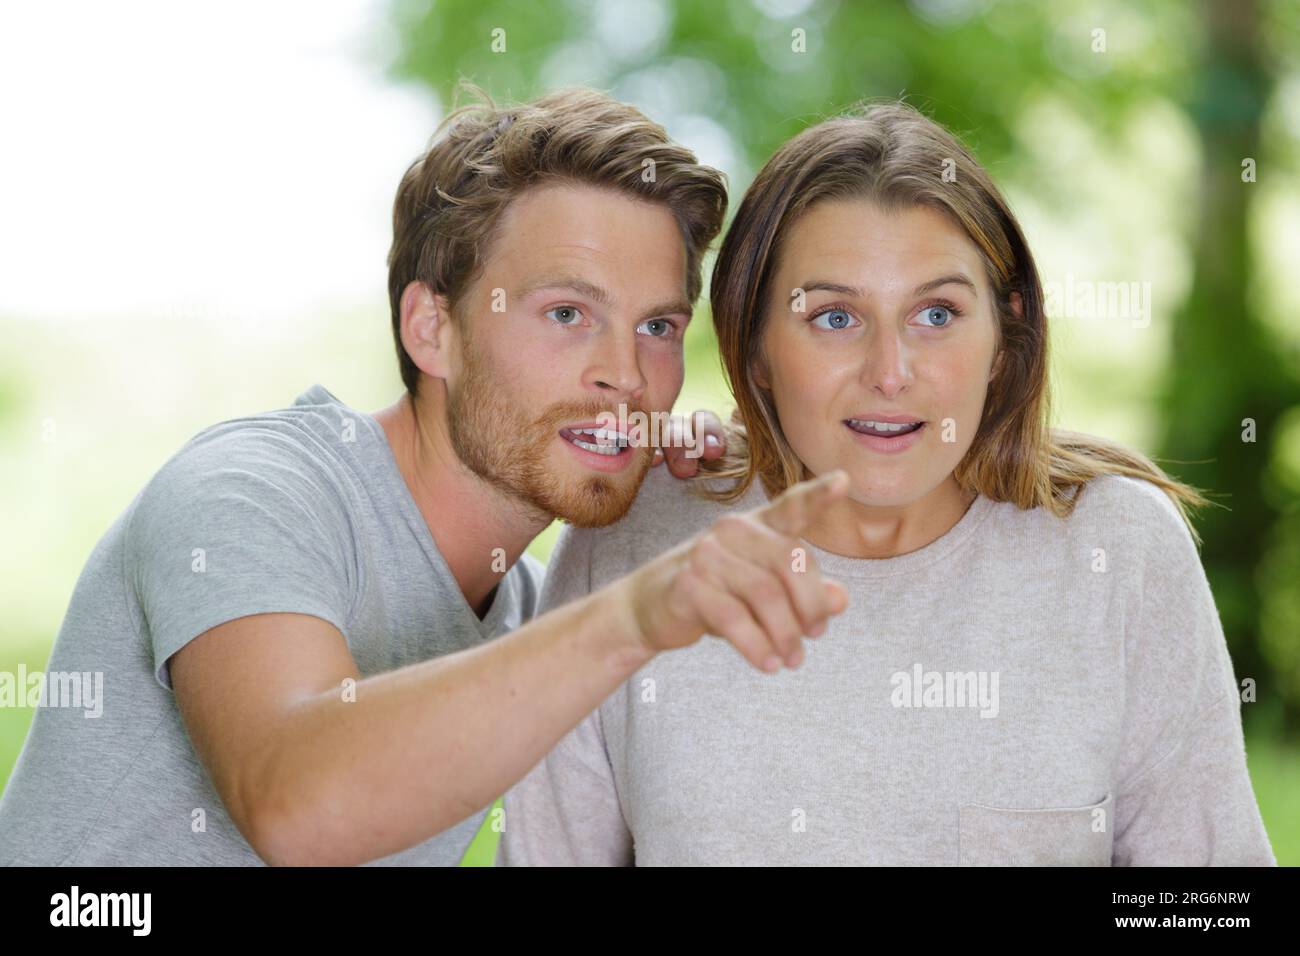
x=936, y=313
x=835, y=319
x=564, y=314
x=664, y=324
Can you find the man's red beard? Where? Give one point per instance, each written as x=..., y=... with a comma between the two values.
x=498, y=442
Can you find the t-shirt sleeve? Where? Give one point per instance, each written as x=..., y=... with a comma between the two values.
x=241, y=523
x=1183, y=793
x=566, y=812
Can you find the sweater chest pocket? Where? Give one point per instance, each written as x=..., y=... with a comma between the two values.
x=1054, y=836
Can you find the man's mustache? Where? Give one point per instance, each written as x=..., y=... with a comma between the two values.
x=558, y=416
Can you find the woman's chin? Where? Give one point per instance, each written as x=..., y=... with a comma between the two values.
x=881, y=484
x=868, y=489
x=875, y=500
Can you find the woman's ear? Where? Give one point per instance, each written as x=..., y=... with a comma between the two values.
x=1018, y=307
x=758, y=371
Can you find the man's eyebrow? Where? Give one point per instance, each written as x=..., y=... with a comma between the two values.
x=602, y=296
x=595, y=293
x=824, y=285
x=675, y=307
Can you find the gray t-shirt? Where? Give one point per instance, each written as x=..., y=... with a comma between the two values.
x=1023, y=690
x=297, y=510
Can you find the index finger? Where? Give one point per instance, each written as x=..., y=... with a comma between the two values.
x=796, y=507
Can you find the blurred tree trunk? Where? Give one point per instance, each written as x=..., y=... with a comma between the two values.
x=1224, y=364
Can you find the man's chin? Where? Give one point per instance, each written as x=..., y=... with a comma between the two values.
x=592, y=500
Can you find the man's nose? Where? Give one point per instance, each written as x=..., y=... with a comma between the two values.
x=615, y=366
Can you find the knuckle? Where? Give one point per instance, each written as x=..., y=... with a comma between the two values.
x=731, y=525
x=707, y=549
x=767, y=590
x=687, y=583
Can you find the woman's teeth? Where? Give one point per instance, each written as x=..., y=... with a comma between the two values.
x=883, y=429
x=608, y=441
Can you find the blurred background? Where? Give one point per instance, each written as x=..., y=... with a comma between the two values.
x=195, y=202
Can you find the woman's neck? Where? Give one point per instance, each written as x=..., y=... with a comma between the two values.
x=858, y=530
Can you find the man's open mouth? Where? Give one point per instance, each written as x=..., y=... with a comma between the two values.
x=602, y=441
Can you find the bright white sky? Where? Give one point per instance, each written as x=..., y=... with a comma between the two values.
x=201, y=156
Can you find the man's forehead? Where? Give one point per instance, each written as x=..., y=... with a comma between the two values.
x=617, y=251
x=577, y=212
x=588, y=220
x=610, y=273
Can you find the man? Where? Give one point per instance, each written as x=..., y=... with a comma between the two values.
x=295, y=618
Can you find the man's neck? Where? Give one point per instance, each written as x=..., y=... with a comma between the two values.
x=468, y=518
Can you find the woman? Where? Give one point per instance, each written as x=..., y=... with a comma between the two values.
x=1031, y=669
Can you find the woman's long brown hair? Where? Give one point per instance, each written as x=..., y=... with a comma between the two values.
x=896, y=157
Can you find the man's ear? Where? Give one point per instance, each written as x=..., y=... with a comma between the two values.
x=428, y=334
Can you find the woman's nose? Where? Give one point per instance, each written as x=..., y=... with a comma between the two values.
x=887, y=367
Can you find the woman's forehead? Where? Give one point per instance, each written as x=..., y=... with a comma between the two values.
x=856, y=243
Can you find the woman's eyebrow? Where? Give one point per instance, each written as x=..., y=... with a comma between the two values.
x=957, y=278
x=824, y=285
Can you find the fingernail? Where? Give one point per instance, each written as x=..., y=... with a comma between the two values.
x=711, y=441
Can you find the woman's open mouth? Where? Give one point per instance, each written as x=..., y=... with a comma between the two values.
x=885, y=436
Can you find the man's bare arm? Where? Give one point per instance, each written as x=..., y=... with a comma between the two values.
x=311, y=776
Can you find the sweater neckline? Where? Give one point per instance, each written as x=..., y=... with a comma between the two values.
x=842, y=566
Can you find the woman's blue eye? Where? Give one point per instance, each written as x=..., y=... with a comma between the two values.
x=936, y=312
x=835, y=319
x=564, y=314
x=664, y=323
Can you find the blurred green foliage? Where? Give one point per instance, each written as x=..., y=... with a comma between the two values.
x=1123, y=163
x=1187, y=91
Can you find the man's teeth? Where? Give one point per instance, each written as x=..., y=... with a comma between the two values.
x=608, y=440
